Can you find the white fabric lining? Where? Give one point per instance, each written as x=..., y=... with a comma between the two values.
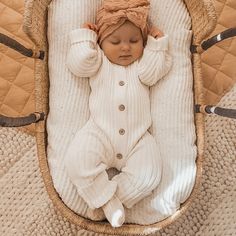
x=172, y=107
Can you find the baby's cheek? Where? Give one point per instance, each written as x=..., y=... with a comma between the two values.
x=114, y=53
x=139, y=52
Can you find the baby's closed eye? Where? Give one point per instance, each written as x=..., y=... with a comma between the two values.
x=115, y=42
x=134, y=40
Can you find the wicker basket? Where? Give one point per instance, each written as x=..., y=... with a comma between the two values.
x=35, y=25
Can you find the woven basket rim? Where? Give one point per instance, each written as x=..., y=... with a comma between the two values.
x=41, y=76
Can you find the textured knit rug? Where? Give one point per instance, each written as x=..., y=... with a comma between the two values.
x=25, y=208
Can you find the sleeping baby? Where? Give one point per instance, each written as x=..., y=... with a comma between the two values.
x=122, y=57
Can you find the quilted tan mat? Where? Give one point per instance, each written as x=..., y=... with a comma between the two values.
x=16, y=70
x=219, y=62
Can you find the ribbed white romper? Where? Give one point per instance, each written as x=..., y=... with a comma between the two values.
x=116, y=134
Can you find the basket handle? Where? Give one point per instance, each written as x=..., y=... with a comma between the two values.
x=35, y=117
x=4, y=39
x=229, y=33
x=209, y=109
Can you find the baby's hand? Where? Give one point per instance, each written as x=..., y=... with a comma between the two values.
x=155, y=32
x=90, y=26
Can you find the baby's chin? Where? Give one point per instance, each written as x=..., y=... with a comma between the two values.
x=124, y=62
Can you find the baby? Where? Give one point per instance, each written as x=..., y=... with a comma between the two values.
x=122, y=59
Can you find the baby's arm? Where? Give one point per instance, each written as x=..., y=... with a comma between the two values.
x=156, y=61
x=84, y=58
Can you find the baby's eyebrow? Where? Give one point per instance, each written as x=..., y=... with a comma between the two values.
x=135, y=37
x=114, y=37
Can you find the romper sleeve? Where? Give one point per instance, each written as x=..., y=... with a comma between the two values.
x=155, y=62
x=84, y=57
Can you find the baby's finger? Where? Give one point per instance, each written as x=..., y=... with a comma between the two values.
x=94, y=27
x=157, y=33
x=85, y=25
x=88, y=25
x=160, y=34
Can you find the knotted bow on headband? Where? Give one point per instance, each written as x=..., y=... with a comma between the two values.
x=116, y=5
x=114, y=13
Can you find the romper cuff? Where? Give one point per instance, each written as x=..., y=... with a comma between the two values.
x=82, y=35
x=157, y=44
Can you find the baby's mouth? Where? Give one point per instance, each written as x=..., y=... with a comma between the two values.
x=125, y=56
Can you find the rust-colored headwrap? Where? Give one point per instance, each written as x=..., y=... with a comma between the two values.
x=114, y=13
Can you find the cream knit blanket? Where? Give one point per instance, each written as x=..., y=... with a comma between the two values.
x=26, y=210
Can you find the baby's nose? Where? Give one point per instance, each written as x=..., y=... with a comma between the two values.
x=125, y=46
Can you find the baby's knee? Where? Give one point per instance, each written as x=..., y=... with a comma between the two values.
x=145, y=179
x=152, y=179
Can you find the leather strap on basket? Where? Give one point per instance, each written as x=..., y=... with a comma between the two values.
x=229, y=33
x=21, y=121
x=208, y=109
x=4, y=39
x=35, y=117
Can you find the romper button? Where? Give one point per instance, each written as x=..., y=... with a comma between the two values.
x=122, y=107
x=121, y=131
x=119, y=156
x=121, y=83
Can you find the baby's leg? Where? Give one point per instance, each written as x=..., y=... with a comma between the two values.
x=88, y=156
x=142, y=172
x=114, y=212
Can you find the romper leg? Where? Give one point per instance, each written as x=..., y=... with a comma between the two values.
x=142, y=172
x=88, y=156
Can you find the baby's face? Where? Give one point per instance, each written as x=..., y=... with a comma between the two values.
x=125, y=45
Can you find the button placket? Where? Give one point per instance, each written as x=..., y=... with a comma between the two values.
x=121, y=114
x=122, y=107
x=119, y=156
x=121, y=83
x=121, y=131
